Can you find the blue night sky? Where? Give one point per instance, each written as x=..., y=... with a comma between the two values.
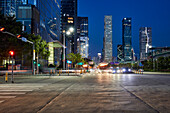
x=144, y=13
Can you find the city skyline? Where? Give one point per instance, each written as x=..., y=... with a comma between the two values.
x=144, y=14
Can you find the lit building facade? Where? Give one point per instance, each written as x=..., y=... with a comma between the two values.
x=127, y=39
x=145, y=41
x=69, y=19
x=82, y=36
x=83, y=46
x=9, y=7
x=107, y=39
x=29, y=16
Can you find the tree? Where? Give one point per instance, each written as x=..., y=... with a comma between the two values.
x=8, y=42
x=75, y=58
x=40, y=46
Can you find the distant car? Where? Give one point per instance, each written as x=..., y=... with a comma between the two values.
x=126, y=70
x=117, y=70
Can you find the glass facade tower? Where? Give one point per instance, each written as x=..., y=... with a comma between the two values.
x=82, y=34
x=8, y=7
x=108, y=38
x=145, y=41
x=127, y=39
x=69, y=19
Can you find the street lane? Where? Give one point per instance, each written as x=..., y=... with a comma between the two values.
x=89, y=93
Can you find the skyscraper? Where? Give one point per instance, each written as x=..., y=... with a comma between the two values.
x=145, y=41
x=127, y=39
x=69, y=19
x=29, y=16
x=8, y=7
x=107, y=38
x=82, y=36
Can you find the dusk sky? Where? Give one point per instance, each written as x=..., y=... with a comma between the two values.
x=144, y=13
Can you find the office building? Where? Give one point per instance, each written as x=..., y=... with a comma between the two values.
x=9, y=7
x=127, y=39
x=29, y=16
x=69, y=19
x=82, y=36
x=145, y=41
x=83, y=46
x=50, y=26
x=107, y=39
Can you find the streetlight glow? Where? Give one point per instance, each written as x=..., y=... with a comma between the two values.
x=68, y=32
x=71, y=29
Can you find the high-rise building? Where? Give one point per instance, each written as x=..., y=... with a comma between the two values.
x=107, y=39
x=119, y=53
x=127, y=39
x=145, y=41
x=69, y=19
x=29, y=16
x=82, y=26
x=83, y=46
x=82, y=36
x=9, y=7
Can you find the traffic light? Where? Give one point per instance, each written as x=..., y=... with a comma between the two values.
x=34, y=62
x=18, y=36
x=11, y=53
x=39, y=65
x=1, y=29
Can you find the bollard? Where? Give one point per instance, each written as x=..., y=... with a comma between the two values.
x=84, y=71
x=59, y=72
x=80, y=71
x=54, y=71
x=68, y=72
x=51, y=71
x=6, y=77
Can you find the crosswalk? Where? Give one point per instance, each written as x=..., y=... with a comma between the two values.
x=9, y=91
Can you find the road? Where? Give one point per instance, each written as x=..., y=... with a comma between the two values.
x=88, y=93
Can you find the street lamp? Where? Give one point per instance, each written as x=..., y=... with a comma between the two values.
x=70, y=30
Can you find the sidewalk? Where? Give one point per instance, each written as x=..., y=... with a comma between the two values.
x=160, y=73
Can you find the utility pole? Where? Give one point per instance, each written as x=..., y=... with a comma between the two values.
x=64, y=38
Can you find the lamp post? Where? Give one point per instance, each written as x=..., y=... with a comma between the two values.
x=71, y=29
x=64, y=36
